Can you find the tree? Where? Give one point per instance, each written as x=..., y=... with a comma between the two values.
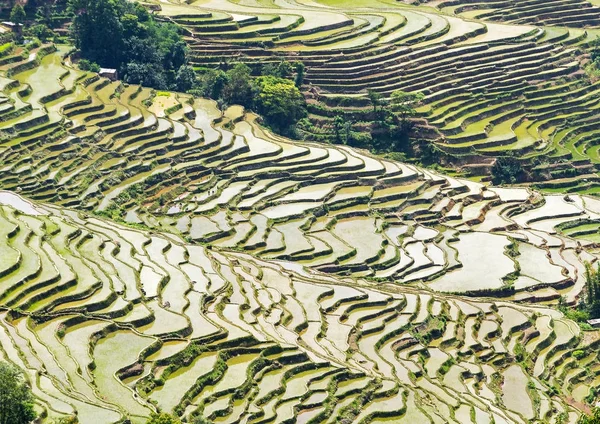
x=124, y=35
x=97, y=30
x=403, y=104
x=41, y=31
x=238, y=89
x=16, y=400
x=300, y=70
x=280, y=102
x=507, y=170
x=68, y=420
x=592, y=290
x=146, y=74
x=163, y=418
x=590, y=419
x=282, y=69
x=185, y=79
x=375, y=99
x=211, y=83
x=200, y=420
x=595, y=50
x=340, y=128
x=17, y=14
x=86, y=65
x=175, y=53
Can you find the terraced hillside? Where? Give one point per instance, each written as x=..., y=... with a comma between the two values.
x=178, y=164
x=110, y=322
x=499, y=78
x=254, y=279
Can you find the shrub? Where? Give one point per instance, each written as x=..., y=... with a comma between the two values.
x=86, y=65
x=163, y=418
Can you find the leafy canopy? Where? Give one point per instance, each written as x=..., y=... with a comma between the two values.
x=163, y=418
x=16, y=400
x=507, y=170
x=124, y=35
x=591, y=419
x=279, y=101
x=17, y=14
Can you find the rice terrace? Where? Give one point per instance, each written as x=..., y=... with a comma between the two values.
x=299, y=211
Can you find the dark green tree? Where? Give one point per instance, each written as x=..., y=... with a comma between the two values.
x=68, y=420
x=376, y=99
x=16, y=400
x=595, y=50
x=403, y=104
x=238, y=89
x=592, y=290
x=507, y=170
x=97, y=30
x=17, y=14
x=185, y=79
x=40, y=31
x=300, y=71
x=145, y=74
x=211, y=83
x=339, y=125
x=122, y=34
x=282, y=69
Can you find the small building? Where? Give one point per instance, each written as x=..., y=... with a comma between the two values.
x=109, y=73
x=16, y=28
x=594, y=322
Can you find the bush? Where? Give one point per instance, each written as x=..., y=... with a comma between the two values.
x=86, y=65
x=163, y=418
x=40, y=31
x=590, y=419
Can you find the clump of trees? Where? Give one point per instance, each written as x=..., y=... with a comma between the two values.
x=38, y=27
x=387, y=127
x=164, y=418
x=592, y=290
x=124, y=35
x=594, y=418
x=589, y=306
x=593, y=67
x=274, y=93
x=16, y=400
x=508, y=170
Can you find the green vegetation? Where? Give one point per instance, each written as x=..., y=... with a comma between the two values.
x=16, y=401
x=125, y=36
x=389, y=129
x=163, y=418
x=507, y=170
x=594, y=418
x=275, y=96
x=167, y=256
x=17, y=14
x=280, y=102
x=592, y=291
